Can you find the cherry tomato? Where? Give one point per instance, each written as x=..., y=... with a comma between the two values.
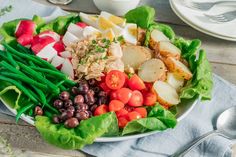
x=129, y=108
x=135, y=83
x=142, y=111
x=122, y=121
x=121, y=112
x=115, y=79
x=116, y=105
x=126, y=80
x=123, y=94
x=104, y=87
x=101, y=110
x=136, y=99
x=148, y=85
x=113, y=95
x=133, y=115
x=150, y=98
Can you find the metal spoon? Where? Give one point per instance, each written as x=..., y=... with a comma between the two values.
x=226, y=127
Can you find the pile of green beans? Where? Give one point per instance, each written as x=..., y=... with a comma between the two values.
x=36, y=78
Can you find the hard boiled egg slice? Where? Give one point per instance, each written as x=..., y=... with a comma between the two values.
x=115, y=19
x=104, y=24
x=89, y=19
x=91, y=31
x=75, y=30
x=130, y=33
x=108, y=34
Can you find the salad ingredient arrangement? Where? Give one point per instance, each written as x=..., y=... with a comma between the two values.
x=83, y=76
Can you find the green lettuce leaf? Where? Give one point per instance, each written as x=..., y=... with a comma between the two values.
x=60, y=24
x=158, y=119
x=85, y=133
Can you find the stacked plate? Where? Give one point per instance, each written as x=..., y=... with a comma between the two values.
x=197, y=18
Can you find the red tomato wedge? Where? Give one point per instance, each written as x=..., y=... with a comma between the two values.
x=122, y=121
x=142, y=111
x=135, y=83
x=116, y=105
x=104, y=87
x=150, y=98
x=115, y=79
x=121, y=112
x=101, y=110
x=133, y=115
x=136, y=99
x=123, y=94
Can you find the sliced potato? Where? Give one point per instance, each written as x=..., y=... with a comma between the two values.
x=156, y=37
x=178, y=68
x=141, y=35
x=166, y=94
x=167, y=49
x=175, y=81
x=134, y=56
x=152, y=70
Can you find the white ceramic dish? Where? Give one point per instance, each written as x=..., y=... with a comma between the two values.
x=198, y=21
x=184, y=108
x=117, y=7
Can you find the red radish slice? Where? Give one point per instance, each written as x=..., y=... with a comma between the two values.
x=75, y=30
x=25, y=39
x=57, y=62
x=47, y=53
x=66, y=54
x=59, y=46
x=67, y=68
x=81, y=24
x=69, y=38
x=52, y=34
x=25, y=27
x=39, y=43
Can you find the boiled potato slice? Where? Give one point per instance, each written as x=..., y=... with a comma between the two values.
x=178, y=68
x=156, y=37
x=166, y=94
x=152, y=70
x=175, y=81
x=167, y=49
x=134, y=56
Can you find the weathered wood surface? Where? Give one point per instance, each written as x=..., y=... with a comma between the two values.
x=222, y=54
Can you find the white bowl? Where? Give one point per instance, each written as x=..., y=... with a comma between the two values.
x=117, y=7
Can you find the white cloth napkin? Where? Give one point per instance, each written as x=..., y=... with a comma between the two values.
x=198, y=122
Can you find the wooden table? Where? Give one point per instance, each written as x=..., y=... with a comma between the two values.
x=26, y=141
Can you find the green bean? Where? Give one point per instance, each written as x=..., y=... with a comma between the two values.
x=60, y=83
x=38, y=77
x=19, y=59
x=49, y=98
x=20, y=87
x=51, y=108
x=70, y=82
x=10, y=68
x=25, y=79
x=42, y=97
x=31, y=112
x=24, y=49
x=62, y=88
x=23, y=110
x=55, y=74
x=12, y=61
x=48, y=114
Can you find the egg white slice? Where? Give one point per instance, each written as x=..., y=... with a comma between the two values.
x=91, y=31
x=130, y=33
x=115, y=19
x=108, y=34
x=89, y=19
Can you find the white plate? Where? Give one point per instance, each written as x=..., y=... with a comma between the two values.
x=197, y=20
x=183, y=109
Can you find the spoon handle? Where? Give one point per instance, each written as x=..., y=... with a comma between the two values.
x=196, y=142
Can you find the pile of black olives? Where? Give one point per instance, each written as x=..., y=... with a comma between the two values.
x=80, y=103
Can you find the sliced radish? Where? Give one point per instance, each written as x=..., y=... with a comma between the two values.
x=25, y=39
x=25, y=27
x=75, y=30
x=57, y=62
x=69, y=38
x=81, y=24
x=59, y=46
x=47, y=53
x=49, y=33
x=39, y=43
x=66, y=54
x=67, y=68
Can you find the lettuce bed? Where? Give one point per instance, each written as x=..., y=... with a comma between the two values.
x=106, y=125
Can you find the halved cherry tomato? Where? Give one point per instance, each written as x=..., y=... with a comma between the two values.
x=126, y=80
x=129, y=108
x=148, y=85
x=113, y=95
x=133, y=115
x=121, y=112
x=136, y=99
x=122, y=121
x=115, y=79
x=135, y=83
x=124, y=94
x=104, y=87
x=101, y=110
x=116, y=105
x=150, y=98
x=142, y=111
